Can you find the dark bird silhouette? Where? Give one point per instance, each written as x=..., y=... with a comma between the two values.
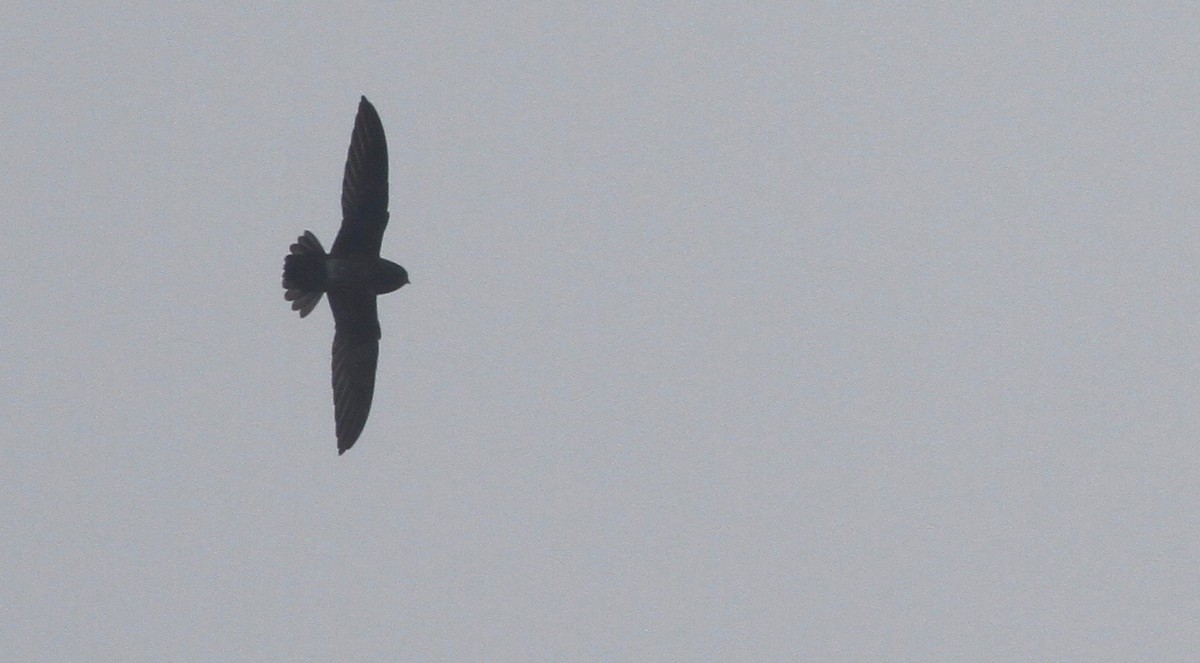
x=352, y=274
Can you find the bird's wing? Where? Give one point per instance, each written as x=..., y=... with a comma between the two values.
x=355, y=356
x=364, y=187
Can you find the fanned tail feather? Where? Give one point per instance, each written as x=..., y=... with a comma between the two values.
x=304, y=274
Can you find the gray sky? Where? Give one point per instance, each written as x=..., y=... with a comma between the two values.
x=764, y=334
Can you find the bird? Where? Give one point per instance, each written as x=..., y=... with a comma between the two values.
x=353, y=275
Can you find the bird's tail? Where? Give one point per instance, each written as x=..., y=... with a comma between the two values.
x=304, y=274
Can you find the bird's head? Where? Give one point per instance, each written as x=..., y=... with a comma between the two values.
x=391, y=277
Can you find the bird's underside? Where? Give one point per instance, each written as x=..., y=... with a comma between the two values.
x=352, y=275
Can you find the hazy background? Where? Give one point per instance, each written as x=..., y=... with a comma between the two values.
x=793, y=332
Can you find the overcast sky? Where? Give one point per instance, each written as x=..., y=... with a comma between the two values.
x=835, y=333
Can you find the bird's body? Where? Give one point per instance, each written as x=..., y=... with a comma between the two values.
x=352, y=274
x=322, y=273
